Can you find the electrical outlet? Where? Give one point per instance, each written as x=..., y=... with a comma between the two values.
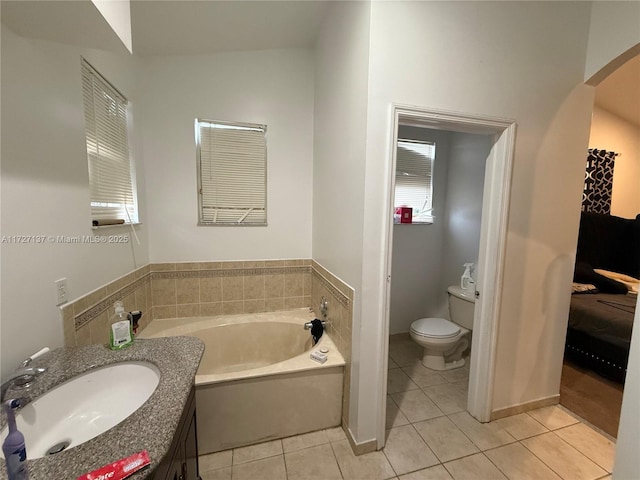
x=61, y=291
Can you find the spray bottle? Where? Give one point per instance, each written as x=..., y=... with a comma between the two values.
x=466, y=276
x=13, y=446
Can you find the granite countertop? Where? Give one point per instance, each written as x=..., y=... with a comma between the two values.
x=151, y=427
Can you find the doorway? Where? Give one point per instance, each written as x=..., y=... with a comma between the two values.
x=491, y=252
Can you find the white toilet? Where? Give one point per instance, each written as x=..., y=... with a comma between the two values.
x=445, y=341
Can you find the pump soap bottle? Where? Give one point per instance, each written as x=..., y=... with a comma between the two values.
x=13, y=447
x=120, y=333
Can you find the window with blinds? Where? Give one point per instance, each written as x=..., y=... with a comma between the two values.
x=232, y=173
x=414, y=174
x=113, y=197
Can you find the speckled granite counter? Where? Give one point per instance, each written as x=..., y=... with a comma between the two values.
x=150, y=428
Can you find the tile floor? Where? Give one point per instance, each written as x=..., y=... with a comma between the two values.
x=430, y=436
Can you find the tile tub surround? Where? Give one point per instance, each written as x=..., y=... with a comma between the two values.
x=227, y=288
x=86, y=319
x=151, y=427
x=339, y=320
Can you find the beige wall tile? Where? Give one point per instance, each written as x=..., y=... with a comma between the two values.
x=306, y=281
x=254, y=287
x=254, y=306
x=163, y=292
x=210, y=290
x=210, y=309
x=274, y=286
x=187, y=266
x=232, y=265
x=162, y=267
x=232, y=289
x=80, y=305
x=96, y=296
x=294, y=302
x=68, y=326
x=209, y=266
x=274, y=263
x=293, y=262
x=232, y=308
x=99, y=328
x=83, y=336
x=273, y=304
x=187, y=310
x=141, y=300
x=254, y=264
x=293, y=285
x=164, y=311
x=187, y=290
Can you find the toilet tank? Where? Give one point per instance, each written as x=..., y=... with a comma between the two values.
x=461, y=306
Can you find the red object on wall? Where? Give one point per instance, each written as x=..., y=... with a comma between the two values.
x=406, y=214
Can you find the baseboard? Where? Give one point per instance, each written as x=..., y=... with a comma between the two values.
x=525, y=407
x=359, y=448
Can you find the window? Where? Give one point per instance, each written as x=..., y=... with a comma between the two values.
x=414, y=173
x=111, y=182
x=232, y=173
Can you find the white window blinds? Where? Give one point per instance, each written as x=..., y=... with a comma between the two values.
x=414, y=170
x=232, y=173
x=106, y=126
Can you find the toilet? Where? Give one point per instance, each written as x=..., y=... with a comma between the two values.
x=444, y=341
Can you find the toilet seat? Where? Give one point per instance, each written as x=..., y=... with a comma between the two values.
x=435, y=328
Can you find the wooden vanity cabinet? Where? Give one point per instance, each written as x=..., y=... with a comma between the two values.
x=181, y=462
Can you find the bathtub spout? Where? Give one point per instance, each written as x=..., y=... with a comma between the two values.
x=309, y=325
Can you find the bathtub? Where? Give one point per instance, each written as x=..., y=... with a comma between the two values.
x=256, y=381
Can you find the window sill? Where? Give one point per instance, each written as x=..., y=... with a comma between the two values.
x=118, y=225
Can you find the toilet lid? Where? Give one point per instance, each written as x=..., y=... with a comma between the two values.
x=435, y=328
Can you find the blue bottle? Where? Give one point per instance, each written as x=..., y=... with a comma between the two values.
x=13, y=447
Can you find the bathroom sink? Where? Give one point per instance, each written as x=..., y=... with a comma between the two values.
x=85, y=406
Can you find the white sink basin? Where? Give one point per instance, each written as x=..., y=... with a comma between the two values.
x=85, y=406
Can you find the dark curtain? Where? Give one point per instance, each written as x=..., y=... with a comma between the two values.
x=598, y=181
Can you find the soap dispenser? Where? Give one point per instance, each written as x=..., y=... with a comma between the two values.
x=120, y=334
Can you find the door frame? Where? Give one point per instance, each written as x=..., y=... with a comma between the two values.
x=493, y=237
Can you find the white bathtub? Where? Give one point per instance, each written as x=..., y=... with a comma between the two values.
x=256, y=381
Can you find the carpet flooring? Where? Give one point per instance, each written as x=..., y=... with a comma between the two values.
x=592, y=397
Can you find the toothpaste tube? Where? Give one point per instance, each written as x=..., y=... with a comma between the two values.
x=120, y=469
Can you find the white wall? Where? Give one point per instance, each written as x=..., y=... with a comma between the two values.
x=118, y=16
x=342, y=59
x=610, y=132
x=496, y=63
x=614, y=37
x=273, y=87
x=418, y=249
x=45, y=189
x=465, y=188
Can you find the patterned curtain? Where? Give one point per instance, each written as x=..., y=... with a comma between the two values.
x=598, y=181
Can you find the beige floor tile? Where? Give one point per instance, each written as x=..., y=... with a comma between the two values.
x=220, y=474
x=521, y=426
x=406, y=451
x=483, y=435
x=423, y=376
x=456, y=375
x=335, y=434
x=552, y=417
x=445, y=439
x=416, y=406
x=475, y=467
x=517, y=462
x=562, y=458
x=256, y=452
x=432, y=473
x=450, y=397
x=266, y=469
x=370, y=466
x=306, y=440
x=398, y=381
x=215, y=461
x=392, y=364
x=405, y=353
x=395, y=418
x=590, y=443
x=315, y=462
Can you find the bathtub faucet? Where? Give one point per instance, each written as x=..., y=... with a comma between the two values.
x=308, y=325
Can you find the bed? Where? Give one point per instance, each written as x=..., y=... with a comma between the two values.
x=603, y=303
